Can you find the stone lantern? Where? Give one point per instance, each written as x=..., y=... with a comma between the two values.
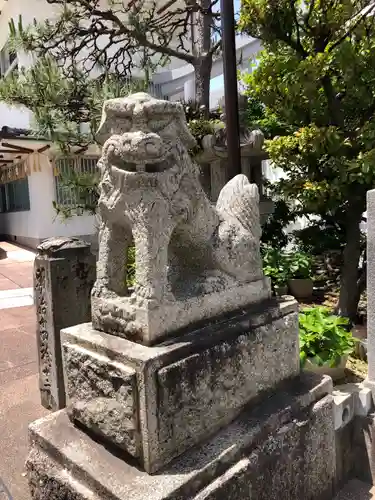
x=214, y=159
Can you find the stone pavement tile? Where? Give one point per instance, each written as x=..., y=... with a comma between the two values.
x=16, y=265
x=20, y=273
x=8, y=266
x=19, y=406
x=16, y=298
x=16, y=269
x=17, y=373
x=6, y=283
x=16, y=292
x=16, y=348
x=5, y=245
x=11, y=302
x=24, y=281
x=9, y=320
x=8, y=246
x=20, y=280
x=21, y=255
x=17, y=252
x=18, y=317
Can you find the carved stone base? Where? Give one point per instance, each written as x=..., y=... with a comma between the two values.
x=282, y=448
x=156, y=402
x=147, y=321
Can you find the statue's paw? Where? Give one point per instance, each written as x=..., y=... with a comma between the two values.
x=100, y=289
x=152, y=295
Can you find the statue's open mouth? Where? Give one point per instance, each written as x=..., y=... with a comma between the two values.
x=140, y=166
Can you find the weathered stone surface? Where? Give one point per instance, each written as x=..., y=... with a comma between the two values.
x=64, y=273
x=344, y=440
x=119, y=316
x=51, y=386
x=283, y=448
x=108, y=419
x=102, y=395
x=203, y=391
x=355, y=450
x=371, y=289
x=193, y=384
x=356, y=490
x=363, y=448
x=319, y=455
x=193, y=260
x=289, y=464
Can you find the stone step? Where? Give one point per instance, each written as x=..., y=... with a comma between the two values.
x=356, y=490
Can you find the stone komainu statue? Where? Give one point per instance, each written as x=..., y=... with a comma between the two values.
x=150, y=196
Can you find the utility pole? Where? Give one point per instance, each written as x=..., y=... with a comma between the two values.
x=230, y=87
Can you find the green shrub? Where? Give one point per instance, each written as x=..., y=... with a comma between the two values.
x=281, y=266
x=200, y=122
x=130, y=267
x=199, y=128
x=299, y=265
x=324, y=337
x=274, y=229
x=275, y=266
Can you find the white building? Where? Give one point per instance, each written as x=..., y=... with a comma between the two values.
x=29, y=184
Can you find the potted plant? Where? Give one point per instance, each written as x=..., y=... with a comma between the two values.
x=325, y=341
x=300, y=271
x=278, y=280
x=275, y=267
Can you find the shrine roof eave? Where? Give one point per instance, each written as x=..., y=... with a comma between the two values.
x=16, y=143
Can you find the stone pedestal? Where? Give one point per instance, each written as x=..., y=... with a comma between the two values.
x=219, y=412
x=64, y=273
x=281, y=448
x=156, y=402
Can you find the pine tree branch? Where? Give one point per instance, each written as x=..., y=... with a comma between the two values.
x=122, y=29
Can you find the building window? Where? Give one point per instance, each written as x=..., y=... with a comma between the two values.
x=8, y=61
x=76, y=181
x=14, y=196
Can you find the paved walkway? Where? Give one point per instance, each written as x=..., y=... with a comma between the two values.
x=19, y=394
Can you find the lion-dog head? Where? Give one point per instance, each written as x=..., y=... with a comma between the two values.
x=144, y=135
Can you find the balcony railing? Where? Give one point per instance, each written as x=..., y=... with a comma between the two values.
x=67, y=193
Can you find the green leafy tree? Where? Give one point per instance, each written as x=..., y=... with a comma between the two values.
x=316, y=74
